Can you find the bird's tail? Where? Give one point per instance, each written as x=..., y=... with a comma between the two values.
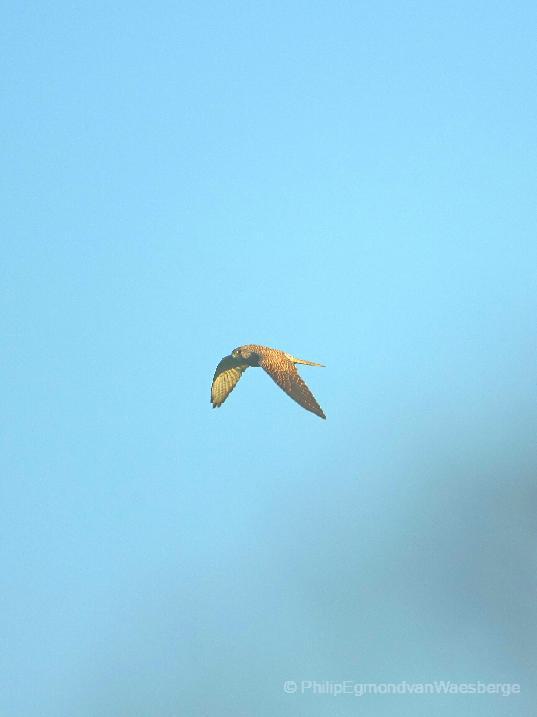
x=294, y=359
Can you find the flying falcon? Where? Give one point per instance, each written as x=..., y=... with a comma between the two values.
x=279, y=365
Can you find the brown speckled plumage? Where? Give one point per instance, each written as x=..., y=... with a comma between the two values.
x=279, y=365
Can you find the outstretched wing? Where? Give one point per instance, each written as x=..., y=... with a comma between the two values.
x=226, y=377
x=286, y=376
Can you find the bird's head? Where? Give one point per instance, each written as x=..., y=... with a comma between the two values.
x=245, y=354
x=241, y=352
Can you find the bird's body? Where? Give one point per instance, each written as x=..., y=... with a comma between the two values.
x=279, y=365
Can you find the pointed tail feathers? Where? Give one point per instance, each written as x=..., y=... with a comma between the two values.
x=294, y=359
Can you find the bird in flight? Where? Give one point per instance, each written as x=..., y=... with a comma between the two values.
x=279, y=365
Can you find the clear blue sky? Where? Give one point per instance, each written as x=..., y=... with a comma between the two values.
x=353, y=182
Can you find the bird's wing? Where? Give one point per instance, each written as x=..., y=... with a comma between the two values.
x=286, y=376
x=226, y=377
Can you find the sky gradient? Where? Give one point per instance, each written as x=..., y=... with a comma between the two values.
x=351, y=182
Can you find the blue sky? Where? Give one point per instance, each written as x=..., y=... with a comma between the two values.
x=351, y=182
